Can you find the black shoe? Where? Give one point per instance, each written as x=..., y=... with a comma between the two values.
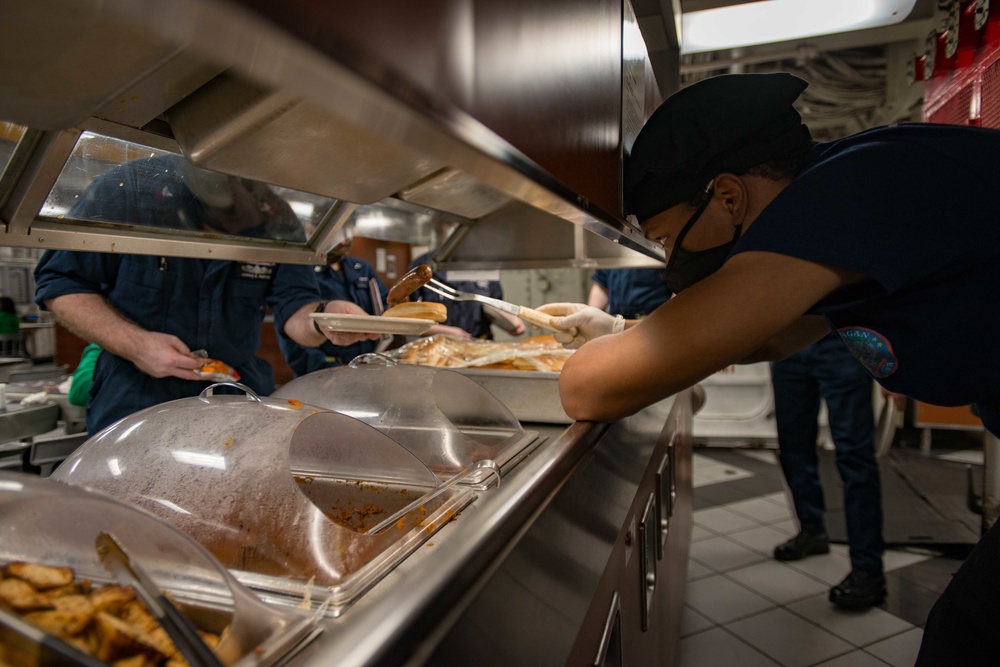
x=860, y=590
x=802, y=545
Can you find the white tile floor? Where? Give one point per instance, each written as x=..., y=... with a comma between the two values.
x=744, y=608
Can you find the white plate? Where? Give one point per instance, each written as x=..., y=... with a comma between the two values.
x=377, y=324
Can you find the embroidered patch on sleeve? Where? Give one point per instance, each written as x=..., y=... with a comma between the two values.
x=870, y=348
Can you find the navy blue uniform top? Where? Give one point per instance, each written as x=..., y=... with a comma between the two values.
x=914, y=208
x=633, y=293
x=348, y=284
x=214, y=305
x=467, y=315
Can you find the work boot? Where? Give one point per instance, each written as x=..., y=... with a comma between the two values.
x=802, y=545
x=860, y=590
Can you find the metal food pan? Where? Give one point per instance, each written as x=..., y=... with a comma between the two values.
x=356, y=504
x=533, y=396
x=23, y=643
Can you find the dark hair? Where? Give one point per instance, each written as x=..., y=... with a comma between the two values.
x=7, y=305
x=785, y=167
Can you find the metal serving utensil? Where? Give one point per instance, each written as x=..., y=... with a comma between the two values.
x=24, y=642
x=527, y=314
x=182, y=632
x=384, y=339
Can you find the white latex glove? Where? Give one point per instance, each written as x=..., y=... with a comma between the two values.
x=580, y=323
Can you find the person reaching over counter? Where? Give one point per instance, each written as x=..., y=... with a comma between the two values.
x=148, y=313
x=341, y=278
x=772, y=241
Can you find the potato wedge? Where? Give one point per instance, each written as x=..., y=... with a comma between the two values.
x=22, y=597
x=134, y=612
x=137, y=660
x=64, y=623
x=78, y=587
x=42, y=577
x=116, y=639
x=111, y=598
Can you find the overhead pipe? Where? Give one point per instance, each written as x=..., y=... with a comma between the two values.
x=802, y=54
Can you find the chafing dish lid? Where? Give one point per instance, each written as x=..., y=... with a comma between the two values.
x=242, y=475
x=447, y=420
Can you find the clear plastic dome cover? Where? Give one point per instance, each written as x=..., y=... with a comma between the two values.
x=48, y=523
x=445, y=419
x=283, y=493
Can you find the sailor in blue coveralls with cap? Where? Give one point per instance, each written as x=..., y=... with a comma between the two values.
x=149, y=312
x=344, y=278
x=773, y=241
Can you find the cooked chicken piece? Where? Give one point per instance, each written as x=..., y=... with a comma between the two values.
x=42, y=577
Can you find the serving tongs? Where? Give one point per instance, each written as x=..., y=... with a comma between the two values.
x=489, y=465
x=184, y=635
x=536, y=317
x=384, y=339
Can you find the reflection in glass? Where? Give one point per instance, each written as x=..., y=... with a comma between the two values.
x=110, y=180
x=10, y=134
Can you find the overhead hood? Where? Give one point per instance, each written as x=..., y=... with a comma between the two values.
x=508, y=117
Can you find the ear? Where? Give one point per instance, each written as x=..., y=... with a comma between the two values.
x=732, y=193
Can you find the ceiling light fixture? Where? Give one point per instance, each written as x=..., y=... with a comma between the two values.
x=768, y=21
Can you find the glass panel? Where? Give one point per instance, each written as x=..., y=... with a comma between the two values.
x=10, y=134
x=115, y=181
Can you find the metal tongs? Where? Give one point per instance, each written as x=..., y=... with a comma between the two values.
x=177, y=626
x=536, y=317
x=384, y=339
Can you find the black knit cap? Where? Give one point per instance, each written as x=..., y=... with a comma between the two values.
x=727, y=123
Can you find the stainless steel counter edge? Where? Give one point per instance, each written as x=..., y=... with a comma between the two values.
x=399, y=625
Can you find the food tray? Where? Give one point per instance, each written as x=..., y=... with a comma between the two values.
x=48, y=523
x=377, y=324
x=277, y=490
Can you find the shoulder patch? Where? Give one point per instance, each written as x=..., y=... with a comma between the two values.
x=870, y=348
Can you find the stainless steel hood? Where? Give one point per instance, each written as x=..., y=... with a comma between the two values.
x=509, y=117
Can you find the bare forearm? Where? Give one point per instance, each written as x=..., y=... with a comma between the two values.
x=93, y=318
x=299, y=327
x=155, y=353
x=805, y=332
x=755, y=299
x=598, y=297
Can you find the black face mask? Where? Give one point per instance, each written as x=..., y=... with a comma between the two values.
x=686, y=267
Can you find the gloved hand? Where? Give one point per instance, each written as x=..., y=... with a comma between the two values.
x=580, y=323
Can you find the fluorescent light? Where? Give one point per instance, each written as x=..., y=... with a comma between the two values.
x=769, y=21
x=303, y=209
x=199, y=459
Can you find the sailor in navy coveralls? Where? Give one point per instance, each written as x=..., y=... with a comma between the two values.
x=149, y=312
x=343, y=278
x=632, y=293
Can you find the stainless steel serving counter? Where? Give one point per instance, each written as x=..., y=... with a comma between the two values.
x=578, y=558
